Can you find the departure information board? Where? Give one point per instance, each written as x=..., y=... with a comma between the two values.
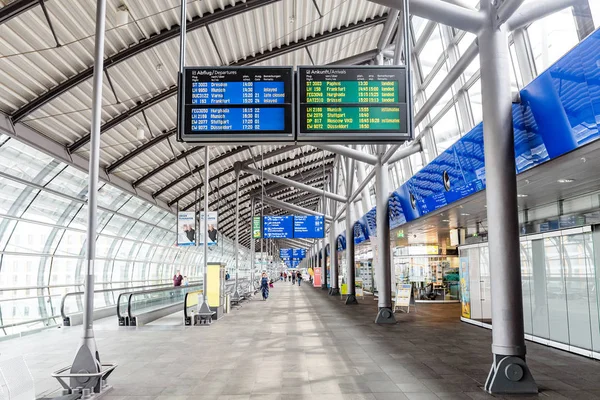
x=237, y=104
x=352, y=104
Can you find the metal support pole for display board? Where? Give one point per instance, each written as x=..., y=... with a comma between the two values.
x=323, y=247
x=204, y=310
x=405, y=25
x=385, y=314
x=351, y=269
x=236, y=295
x=509, y=372
x=87, y=359
x=182, y=50
x=252, y=245
x=333, y=262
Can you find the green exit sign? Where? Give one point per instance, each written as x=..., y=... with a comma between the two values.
x=400, y=234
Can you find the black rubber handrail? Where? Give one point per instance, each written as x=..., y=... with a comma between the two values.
x=64, y=298
x=144, y=292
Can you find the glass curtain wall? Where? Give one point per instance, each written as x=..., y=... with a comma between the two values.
x=560, y=272
x=437, y=48
x=43, y=217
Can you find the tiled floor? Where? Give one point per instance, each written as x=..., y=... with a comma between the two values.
x=303, y=344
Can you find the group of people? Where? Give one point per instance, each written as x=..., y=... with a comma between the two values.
x=291, y=277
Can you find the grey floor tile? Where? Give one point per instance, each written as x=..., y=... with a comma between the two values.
x=303, y=344
x=421, y=396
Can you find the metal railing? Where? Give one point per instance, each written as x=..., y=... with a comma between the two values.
x=57, y=307
x=78, y=297
x=131, y=305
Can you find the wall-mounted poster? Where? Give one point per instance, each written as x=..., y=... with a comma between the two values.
x=211, y=231
x=186, y=228
x=465, y=297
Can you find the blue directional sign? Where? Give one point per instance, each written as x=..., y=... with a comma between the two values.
x=309, y=227
x=299, y=254
x=278, y=227
x=285, y=254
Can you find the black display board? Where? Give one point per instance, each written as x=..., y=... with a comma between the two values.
x=237, y=105
x=352, y=104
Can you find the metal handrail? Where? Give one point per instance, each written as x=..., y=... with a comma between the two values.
x=166, y=281
x=131, y=294
x=64, y=298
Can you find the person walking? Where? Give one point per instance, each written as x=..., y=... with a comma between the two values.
x=177, y=279
x=299, y=278
x=264, y=286
x=293, y=278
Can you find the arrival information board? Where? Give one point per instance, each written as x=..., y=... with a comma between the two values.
x=352, y=104
x=238, y=104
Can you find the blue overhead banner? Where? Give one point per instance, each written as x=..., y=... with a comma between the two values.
x=559, y=112
x=341, y=242
x=299, y=254
x=285, y=254
x=278, y=227
x=360, y=231
x=309, y=226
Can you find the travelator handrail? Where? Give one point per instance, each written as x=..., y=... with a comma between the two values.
x=66, y=318
x=125, y=319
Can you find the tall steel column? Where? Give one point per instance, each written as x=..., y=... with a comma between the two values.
x=324, y=258
x=238, y=168
x=252, y=246
x=333, y=262
x=87, y=358
x=204, y=308
x=509, y=372
x=383, y=264
x=351, y=270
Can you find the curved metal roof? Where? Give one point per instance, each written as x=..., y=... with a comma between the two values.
x=48, y=87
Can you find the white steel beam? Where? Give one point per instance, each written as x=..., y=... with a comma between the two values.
x=388, y=28
x=348, y=152
x=413, y=148
x=459, y=68
x=533, y=11
x=441, y=12
x=506, y=9
x=292, y=183
x=290, y=207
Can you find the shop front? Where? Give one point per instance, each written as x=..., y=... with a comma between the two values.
x=434, y=277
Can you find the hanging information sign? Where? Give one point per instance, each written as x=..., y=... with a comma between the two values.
x=352, y=104
x=237, y=104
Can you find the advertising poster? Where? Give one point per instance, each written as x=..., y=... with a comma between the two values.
x=211, y=231
x=186, y=228
x=256, y=228
x=358, y=285
x=403, y=292
x=317, y=277
x=465, y=297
